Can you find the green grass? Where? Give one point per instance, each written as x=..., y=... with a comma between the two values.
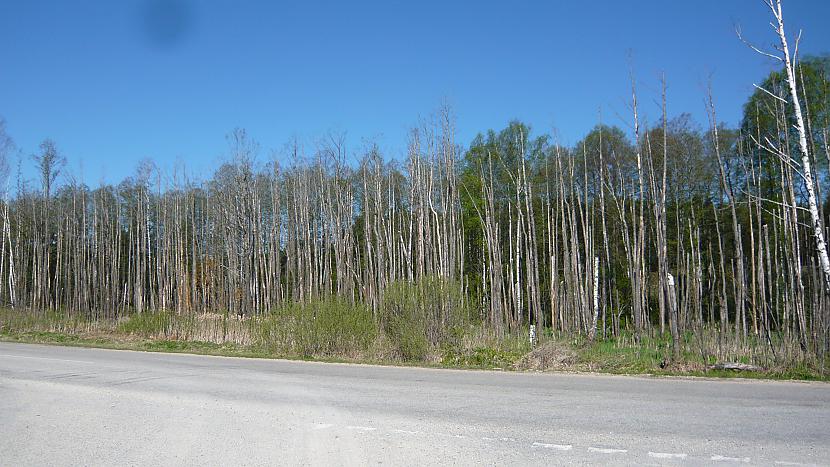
x=147, y=324
x=613, y=356
x=482, y=357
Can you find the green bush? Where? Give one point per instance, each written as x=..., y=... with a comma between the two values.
x=419, y=316
x=406, y=333
x=324, y=327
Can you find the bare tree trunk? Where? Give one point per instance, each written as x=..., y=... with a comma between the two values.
x=817, y=224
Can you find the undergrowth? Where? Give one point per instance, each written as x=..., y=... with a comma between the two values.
x=407, y=330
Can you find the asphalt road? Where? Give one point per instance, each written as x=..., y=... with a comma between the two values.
x=74, y=406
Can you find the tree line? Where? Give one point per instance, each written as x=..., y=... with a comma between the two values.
x=671, y=227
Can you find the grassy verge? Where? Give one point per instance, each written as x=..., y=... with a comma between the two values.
x=333, y=331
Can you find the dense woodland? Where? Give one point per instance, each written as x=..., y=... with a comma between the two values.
x=671, y=226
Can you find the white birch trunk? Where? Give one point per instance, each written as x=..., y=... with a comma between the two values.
x=596, y=299
x=818, y=231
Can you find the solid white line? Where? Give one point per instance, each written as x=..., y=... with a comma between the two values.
x=607, y=450
x=322, y=426
x=558, y=447
x=407, y=432
x=729, y=459
x=361, y=428
x=46, y=358
x=667, y=455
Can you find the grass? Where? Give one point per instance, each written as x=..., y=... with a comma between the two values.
x=653, y=356
x=337, y=331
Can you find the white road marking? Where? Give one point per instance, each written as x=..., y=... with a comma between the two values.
x=46, y=358
x=322, y=426
x=607, y=450
x=361, y=428
x=558, y=447
x=667, y=455
x=407, y=432
x=513, y=440
x=730, y=459
x=789, y=463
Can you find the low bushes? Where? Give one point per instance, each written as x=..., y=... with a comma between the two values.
x=419, y=317
x=323, y=327
x=415, y=322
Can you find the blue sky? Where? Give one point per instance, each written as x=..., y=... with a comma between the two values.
x=114, y=82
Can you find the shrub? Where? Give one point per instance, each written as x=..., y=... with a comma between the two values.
x=419, y=316
x=323, y=327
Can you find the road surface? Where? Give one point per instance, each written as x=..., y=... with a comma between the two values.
x=75, y=406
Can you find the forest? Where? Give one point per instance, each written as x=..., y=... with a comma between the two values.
x=688, y=243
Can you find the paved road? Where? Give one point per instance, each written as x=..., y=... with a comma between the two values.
x=73, y=406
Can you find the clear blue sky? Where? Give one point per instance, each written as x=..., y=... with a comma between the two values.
x=113, y=82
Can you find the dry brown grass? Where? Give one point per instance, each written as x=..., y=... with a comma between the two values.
x=551, y=355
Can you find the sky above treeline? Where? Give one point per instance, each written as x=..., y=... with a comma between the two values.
x=115, y=82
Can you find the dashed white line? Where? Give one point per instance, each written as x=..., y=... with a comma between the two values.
x=667, y=455
x=607, y=450
x=719, y=458
x=557, y=447
x=360, y=428
x=560, y=447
